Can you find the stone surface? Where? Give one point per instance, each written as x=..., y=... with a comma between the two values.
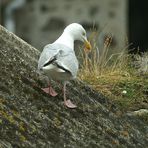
x=30, y=118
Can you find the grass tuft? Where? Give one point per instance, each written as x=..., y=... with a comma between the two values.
x=114, y=76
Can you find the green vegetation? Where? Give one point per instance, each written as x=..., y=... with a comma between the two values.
x=115, y=76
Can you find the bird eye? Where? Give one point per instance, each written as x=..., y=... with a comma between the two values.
x=84, y=34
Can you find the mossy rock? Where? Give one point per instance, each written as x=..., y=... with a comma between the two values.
x=31, y=118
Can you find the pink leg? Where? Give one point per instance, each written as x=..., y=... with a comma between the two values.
x=68, y=103
x=49, y=90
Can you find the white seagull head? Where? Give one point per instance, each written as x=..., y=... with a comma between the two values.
x=78, y=33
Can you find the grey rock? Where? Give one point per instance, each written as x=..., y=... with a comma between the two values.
x=31, y=118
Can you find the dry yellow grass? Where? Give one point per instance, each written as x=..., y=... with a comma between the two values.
x=113, y=75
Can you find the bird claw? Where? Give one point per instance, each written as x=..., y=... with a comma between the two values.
x=50, y=91
x=69, y=104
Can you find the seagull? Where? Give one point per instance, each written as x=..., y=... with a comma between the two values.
x=58, y=60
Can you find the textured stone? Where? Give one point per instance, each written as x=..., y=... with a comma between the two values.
x=31, y=118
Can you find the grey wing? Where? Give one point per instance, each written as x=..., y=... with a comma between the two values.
x=64, y=57
x=47, y=54
x=68, y=61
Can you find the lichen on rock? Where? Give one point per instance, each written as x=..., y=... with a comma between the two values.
x=31, y=118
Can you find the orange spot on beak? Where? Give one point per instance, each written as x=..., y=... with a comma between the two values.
x=87, y=46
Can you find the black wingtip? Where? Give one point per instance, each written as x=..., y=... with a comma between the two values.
x=49, y=62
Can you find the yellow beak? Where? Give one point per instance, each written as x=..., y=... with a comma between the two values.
x=87, y=46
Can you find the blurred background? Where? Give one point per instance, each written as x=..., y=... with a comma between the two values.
x=40, y=22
